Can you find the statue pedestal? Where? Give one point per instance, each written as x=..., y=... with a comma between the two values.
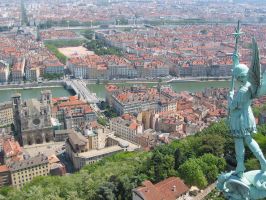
x=250, y=187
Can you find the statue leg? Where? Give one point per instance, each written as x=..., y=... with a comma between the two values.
x=254, y=147
x=240, y=153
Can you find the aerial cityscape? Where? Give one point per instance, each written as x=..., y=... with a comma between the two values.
x=132, y=99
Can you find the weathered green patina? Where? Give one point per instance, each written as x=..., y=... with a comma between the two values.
x=238, y=185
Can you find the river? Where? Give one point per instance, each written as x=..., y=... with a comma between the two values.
x=5, y=95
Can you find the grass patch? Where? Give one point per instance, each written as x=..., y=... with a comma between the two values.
x=62, y=58
x=65, y=43
x=100, y=48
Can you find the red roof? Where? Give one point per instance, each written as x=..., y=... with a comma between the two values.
x=3, y=168
x=169, y=189
x=11, y=148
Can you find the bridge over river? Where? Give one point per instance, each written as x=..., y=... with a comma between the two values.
x=80, y=88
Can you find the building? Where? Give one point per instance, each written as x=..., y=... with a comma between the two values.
x=95, y=155
x=147, y=140
x=24, y=171
x=56, y=168
x=172, y=188
x=126, y=127
x=4, y=176
x=4, y=71
x=112, y=66
x=54, y=67
x=136, y=99
x=33, y=119
x=154, y=69
x=18, y=70
x=88, y=67
x=11, y=150
x=109, y=91
x=86, y=150
x=32, y=73
x=6, y=114
x=169, y=124
x=62, y=135
x=72, y=112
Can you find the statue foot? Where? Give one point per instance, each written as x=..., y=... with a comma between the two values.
x=263, y=167
x=239, y=174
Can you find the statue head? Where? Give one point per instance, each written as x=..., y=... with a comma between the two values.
x=240, y=72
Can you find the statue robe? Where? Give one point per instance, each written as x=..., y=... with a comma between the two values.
x=241, y=118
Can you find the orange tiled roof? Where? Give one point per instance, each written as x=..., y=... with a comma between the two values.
x=3, y=168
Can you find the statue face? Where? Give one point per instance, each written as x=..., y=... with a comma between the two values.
x=242, y=79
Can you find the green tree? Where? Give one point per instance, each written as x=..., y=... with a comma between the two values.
x=192, y=174
x=59, y=55
x=88, y=34
x=106, y=191
x=98, y=81
x=102, y=121
x=183, y=152
x=204, y=32
x=252, y=164
x=211, y=166
x=160, y=166
x=213, y=144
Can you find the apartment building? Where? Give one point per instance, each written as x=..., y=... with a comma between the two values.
x=54, y=67
x=11, y=150
x=24, y=171
x=32, y=73
x=4, y=176
x=126, y=127
x=18, y=70
x=137, y=99
x=4, y=71
x=6, y=113
x=72, y=112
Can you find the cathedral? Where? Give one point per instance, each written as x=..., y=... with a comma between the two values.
x=33, y=119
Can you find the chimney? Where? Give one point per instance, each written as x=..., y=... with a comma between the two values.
x=174, y=188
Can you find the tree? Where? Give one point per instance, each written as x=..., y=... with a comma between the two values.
x=106, y=191
x=211, y=166
x=192, y=174
x=252, y=164
x=102, y=121
x=213, y=144
x=260, y=138
x=98, y=81
x=160, y=166
x=88, y=34
x=204, y=32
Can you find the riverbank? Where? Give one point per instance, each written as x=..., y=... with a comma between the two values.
x=199, y=79
x=50, y=84
x=60, y=83
x=152, y=81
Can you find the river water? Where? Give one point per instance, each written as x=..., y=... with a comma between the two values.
x=5, y=95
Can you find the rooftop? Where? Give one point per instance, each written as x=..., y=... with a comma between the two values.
x=31, y=162
x=95, y=152
x=168, y=189
x=3, y=168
